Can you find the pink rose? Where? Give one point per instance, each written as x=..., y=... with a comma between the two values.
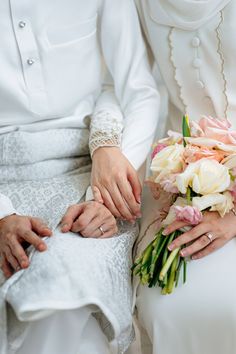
x=168, y=184
x=213, y=128
x=157, y=149
x=188, y=214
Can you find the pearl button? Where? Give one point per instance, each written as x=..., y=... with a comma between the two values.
x=30, y=61
x=200, y=84
x=22, y=24
x=197, y=63
x=196, y=42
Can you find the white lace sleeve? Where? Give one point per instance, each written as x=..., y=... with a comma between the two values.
x=107, y=120
x=105, y=130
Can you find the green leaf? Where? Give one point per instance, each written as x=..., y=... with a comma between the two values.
x=186, y=128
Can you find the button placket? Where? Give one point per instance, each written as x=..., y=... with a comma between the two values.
x=197, y=61
x=30, y=58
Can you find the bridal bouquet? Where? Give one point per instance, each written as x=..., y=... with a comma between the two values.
x=198, y=169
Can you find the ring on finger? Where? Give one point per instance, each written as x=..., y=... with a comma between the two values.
x=101, y=229
x=210, y=236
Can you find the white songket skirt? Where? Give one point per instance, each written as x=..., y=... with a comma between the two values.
x=43, y=173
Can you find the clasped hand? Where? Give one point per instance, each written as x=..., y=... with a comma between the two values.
x=90, y=219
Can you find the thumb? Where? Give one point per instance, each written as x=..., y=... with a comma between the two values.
x=40, y=228
x=70, y=216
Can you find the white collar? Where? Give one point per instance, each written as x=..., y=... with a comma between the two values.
x=184, y=14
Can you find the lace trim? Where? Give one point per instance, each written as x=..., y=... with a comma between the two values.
x=221, y=55
x=105, y=130
x=172, y=61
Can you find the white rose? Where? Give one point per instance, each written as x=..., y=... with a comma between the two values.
x=204, y=176
x=222, y=203
x=225, y=206
x=167, y=161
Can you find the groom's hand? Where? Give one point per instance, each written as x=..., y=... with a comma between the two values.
x=16, y=230
x=117, y=181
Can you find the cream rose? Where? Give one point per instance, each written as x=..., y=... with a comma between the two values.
x=204, y=177
x=167, y=161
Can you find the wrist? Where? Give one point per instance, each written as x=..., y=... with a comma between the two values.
x=105, y=149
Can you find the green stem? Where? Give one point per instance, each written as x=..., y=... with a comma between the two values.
x=154, y=260
x=185, y=270
x=188, y=195
x=168, y=263
x=171, y=280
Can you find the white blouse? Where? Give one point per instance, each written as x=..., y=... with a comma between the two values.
x=193, y=43
x=52, y=63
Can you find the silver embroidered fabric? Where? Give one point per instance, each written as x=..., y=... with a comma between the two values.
x=105, y=130
x=43, y=173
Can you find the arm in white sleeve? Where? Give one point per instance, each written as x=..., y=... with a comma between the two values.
x=6, y=207
x=126, y=59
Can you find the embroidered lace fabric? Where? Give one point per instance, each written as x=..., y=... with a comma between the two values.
x=105, y=130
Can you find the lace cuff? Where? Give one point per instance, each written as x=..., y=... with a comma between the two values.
x=105, y=130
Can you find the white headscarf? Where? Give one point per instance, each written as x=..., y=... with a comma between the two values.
x=184, y=14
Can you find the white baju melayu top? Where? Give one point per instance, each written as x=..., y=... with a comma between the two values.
x=193, y=43
x=52, y=69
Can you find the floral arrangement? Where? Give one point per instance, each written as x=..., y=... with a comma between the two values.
x=198, y=169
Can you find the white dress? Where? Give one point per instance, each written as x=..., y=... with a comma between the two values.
x=193, y=43
x=50, y=89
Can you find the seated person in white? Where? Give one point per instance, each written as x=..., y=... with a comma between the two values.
x=193, y=43
x=68, y=293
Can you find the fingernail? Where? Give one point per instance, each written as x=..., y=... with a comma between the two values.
x=194, y=258
x=24, y=264
x=18, y=268
x=42, y=247
x=170, y=247
x=183, y=253
x=165, y=232
x=64, y=227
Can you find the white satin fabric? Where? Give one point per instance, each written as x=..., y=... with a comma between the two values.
x=194, y=49
x=68, y=331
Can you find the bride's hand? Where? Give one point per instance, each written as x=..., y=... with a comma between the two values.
x=90, y=219
x=208, y=236
x=117, y=181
